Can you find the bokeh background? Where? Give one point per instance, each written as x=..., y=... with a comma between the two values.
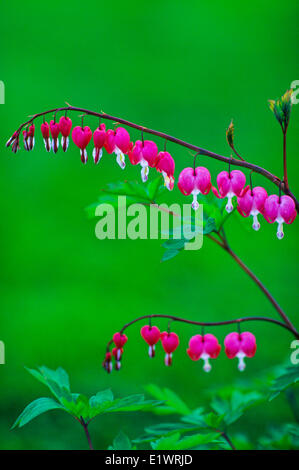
x=185, y=68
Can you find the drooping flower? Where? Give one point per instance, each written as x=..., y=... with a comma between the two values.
x=81, y=137
x=170, y=342
x=99, y=137
x=151, y=334
x=252, y=203
x=28, y=135
x=119, y=341
x=229, y=185
x=12, y=139
x=107, y=363
x=240, y=345
x=145, y=154
x=279, y=209
x=45, y=130
x=195, y=182
x=204, y=347
x=65, y=126
x=117, y=354
x=55, y=131
x=165, y=165
x=118, y=141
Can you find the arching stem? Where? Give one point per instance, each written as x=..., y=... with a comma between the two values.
x=242, y=163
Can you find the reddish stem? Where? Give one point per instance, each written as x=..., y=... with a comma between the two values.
x=85, y=427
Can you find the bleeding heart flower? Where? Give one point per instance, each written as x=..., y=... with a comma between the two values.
x=145, y=154
x=170, y=342
x=280, y=210
x=230, y=185
x=99, y=137
x=118, y=141
x=194, y=182
x=45, y=130
x=252, y=203
x=65, y=126
x=204, y=347
x=107, y=364
x=12, y=139
x=117, y=353
x=151, y=334
x=240, y=345
x=119, y=341
x=165, y=165
x=81, y=137
x=29, y=140
x=55, y=131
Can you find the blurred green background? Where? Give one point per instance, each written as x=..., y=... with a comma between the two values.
x=185, y=68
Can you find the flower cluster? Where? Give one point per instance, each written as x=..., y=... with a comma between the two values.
x=250, y=201
x=191, y=181
x=115, y=141
x=203, y=347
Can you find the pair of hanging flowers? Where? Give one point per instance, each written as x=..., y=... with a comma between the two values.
x=251, y=201
x=205, y=347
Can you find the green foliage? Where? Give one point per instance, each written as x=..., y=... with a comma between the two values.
x=172, y=403
x=121, y=442
x=201, y=427
x=231, y=410
x=288, y=377
x=283, y=438
x=134, y=191
x=36, y=408
x=78, y=405
x=174, y=441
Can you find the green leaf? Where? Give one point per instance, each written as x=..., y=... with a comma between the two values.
x=78, y=406
x=56, y=380
x=36, y=408
x=166, y=443
x=135, y=192
x=173, y=403
x=101, y=397
x=289, y=377
x=121, y=442
x=173, y=441
x=189, y=442
x=231, y=410
x=163, y=429
x=155, y=188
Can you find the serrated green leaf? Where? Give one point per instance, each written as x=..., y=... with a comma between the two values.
x=173, y=403
x=36, y=408
x=101, y=397
x=163, y=429
x=166, y=443
x=289, y=377
x=231, y=410
x=56, y=380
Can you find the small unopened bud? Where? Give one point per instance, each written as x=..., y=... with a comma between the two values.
x=230, y=134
